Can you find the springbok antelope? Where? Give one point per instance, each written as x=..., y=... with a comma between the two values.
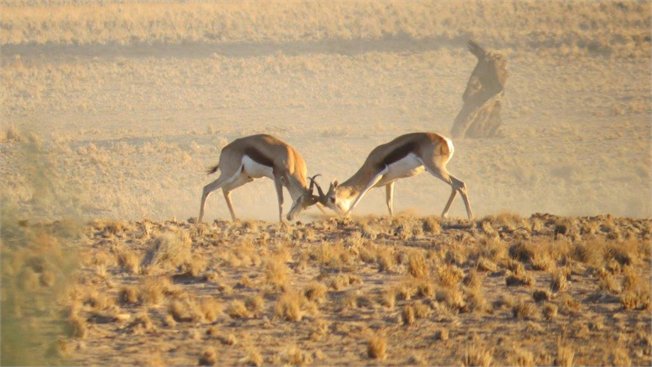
x=257, y=156
x=406, y=156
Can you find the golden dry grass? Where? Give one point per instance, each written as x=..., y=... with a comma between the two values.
x=353, y=318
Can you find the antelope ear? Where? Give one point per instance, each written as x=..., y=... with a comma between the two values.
x=335, y=183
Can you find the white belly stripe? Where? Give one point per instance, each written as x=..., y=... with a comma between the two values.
x=408, y=166
x=254, y=169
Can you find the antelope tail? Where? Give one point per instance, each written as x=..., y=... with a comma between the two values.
x=212, y=169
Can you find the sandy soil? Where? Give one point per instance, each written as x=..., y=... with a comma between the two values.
x=113, y=113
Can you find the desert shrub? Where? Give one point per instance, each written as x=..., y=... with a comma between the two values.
x=417, y=266
x=377, y=347
x=549, y=311
x=431, y=225
x=453, y=298
x=442, y=334
x=208, y=357
x=255, y=304
x=565, y=355
x=522, y=358
x=475, y=300
x=449, y=275
x=238, y=310
x=477, y=355
x=333, y=256
x=407, y=315
x=541, y=295
x=315, y=292
x=168, y=252
x=558, y=282
x=294, y=356
x=289, y=306
x=276, y=272
x=524, y=310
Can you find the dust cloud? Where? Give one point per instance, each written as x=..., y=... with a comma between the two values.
x=135, y=108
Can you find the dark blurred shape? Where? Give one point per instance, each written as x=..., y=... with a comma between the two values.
x=480, y=114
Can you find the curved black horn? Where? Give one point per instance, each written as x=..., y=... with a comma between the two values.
x=312, y=182
x=319, y=190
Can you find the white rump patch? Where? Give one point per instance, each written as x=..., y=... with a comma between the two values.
x=451, y=148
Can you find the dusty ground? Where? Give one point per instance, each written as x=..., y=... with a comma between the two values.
x=111, y=114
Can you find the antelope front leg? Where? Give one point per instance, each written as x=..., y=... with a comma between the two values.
x=450, y=201
x=279, y=194
x=389, y=197
x=461, y=187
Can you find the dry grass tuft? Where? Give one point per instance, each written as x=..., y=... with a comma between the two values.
x=473, y=279
x=253, y=358
x=208, y=357
x=238, y=310
x=541, y=295
x=129, y=295
x=255, y=304
x=229, y=339
x=477, y=356
x=388, y=298
x=315, y=292
x=288, y=306
x=450, y=275
x=559, y=282
x=417, y=266
x=141, y=324
x=524, y=311
x=453, y=298
x=619, y=357
x=153, y=290
x=296, y=357
x=521, y=277
x=77, y=327
x=277, y=272
x=408, y=315
x=636, y=300
x=485, y=264
x=210, y=308
x=385, y=259
x=425, y=289
x=333, y=256
x=377, y=347
x=565, y=356
x=185, y=310
x=168, y=252
x=442, y=334
x=522, y=358
x=128, y=260
x=431, y=225
x=475, y=300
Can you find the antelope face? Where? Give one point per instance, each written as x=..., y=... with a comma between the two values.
x=306, y=199
x=302, y=203
x=334, y=200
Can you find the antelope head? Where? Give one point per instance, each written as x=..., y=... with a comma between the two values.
x=334, y=198
x=307, y=199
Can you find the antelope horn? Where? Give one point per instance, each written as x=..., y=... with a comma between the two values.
x=312, y=182
x=322, y=197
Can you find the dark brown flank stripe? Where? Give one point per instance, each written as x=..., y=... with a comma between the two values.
x=258, y=157
x=398, y=154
